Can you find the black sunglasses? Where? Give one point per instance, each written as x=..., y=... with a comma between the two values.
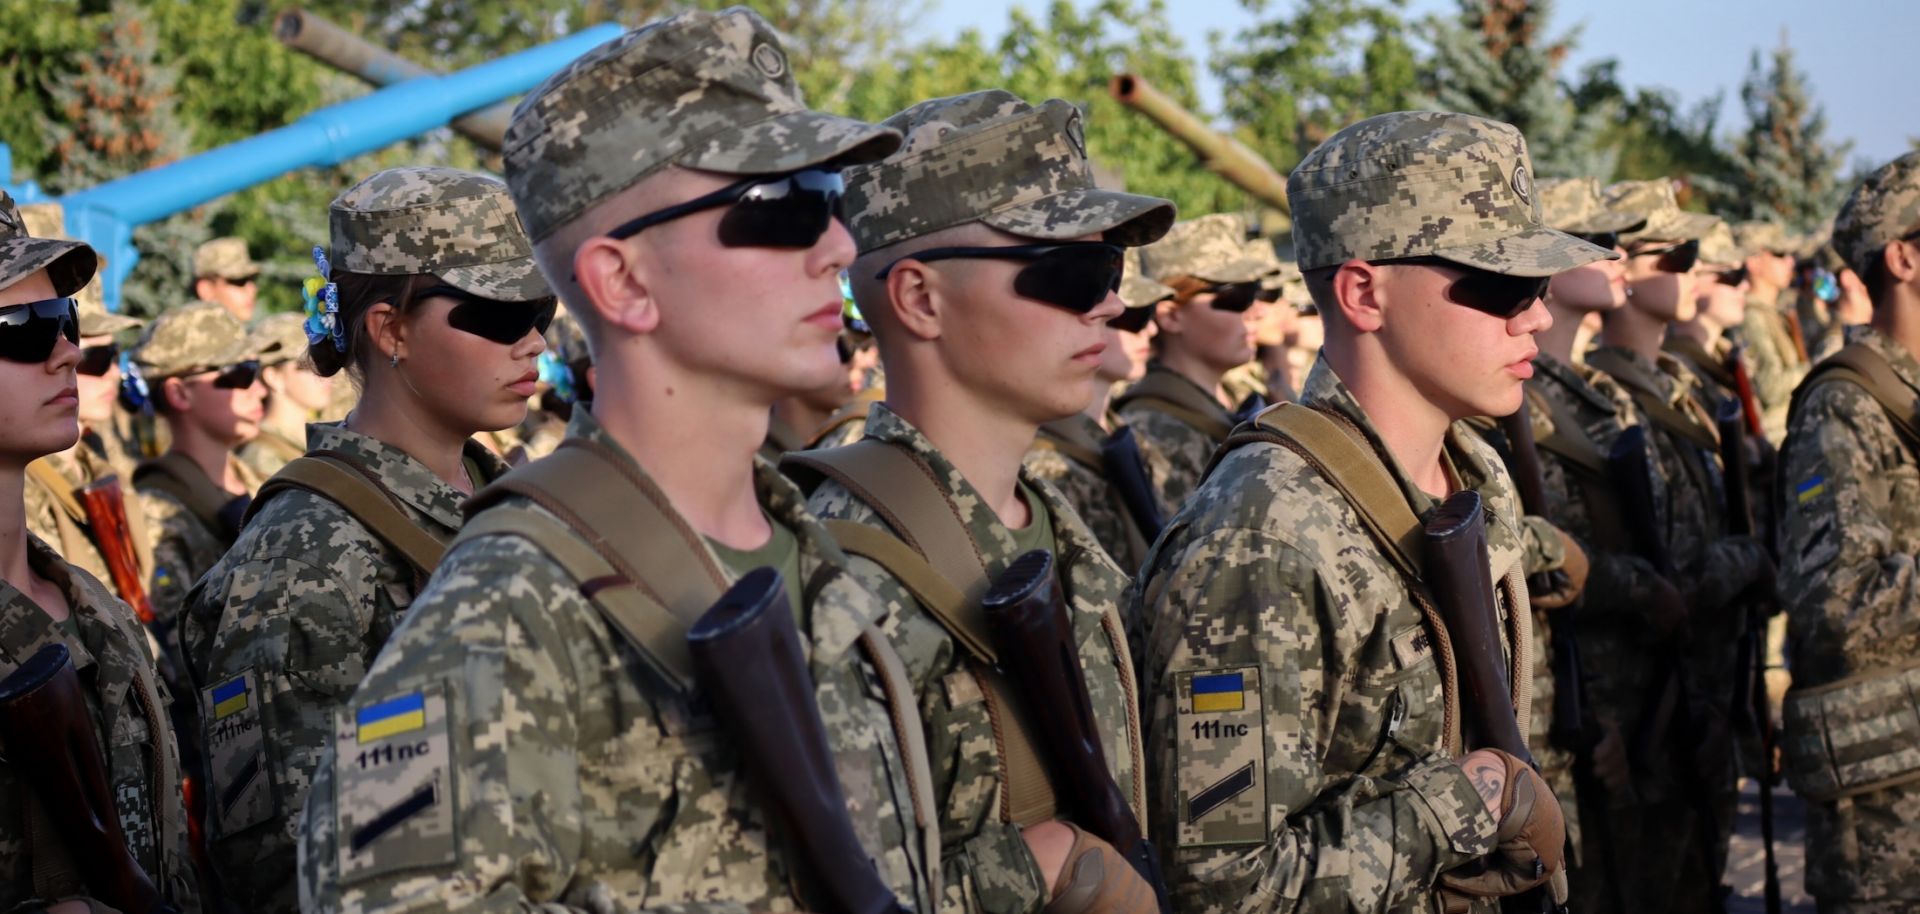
x=1132, y=320
x=1674, y=258
x=1485, y=291
x=1234, y=297
x=503, y=322
x=1075, y=275
x=29, y=331
x=780, y=211
x=1608, y=240
x=238, y=376
x=96, y=361
x=1732, y=277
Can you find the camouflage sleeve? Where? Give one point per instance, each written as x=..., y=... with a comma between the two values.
x=1541, y=542
x=1183, y=450
x=1850, y=518
x=1730, y=565
x=1618, y=582
x=499, y=666
x=1320, y=839
x=170, y=523
x=1773, y=379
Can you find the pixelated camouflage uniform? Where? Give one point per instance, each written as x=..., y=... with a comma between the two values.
x=1269, y=567
x=986, y=865
x=578, y=781
x=1060, y=456
x=1186, y=449
x=52, y=516
x=301, y=604
x=184, y=547
x=109, y=650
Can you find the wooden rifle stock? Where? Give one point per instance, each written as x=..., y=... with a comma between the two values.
x=1743, y=386
x=1127, y=471
x=106, y=507
x=1035, y=644
x=1454, y=545
x=748, y=662
x=49, y=738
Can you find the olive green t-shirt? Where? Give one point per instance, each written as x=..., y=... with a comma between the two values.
x=781, y=552
x=1038, y=533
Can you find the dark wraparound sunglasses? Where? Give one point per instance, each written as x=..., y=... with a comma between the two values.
x=238, y=376
x=28, y=332
x=1075, y=275
x=1235, y=297
x=782, y=211
x=96, y=361
x=1132, y=320
x=1732, y=277
x=1485, y=291
x=503, y=322
x=1674, y=258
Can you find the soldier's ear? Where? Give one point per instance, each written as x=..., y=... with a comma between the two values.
x=1169, y=316
x=382, y=324
x=1901, y=260
x=916, y=298
x=178, y=395
x=1356, y=291
x=612, y=275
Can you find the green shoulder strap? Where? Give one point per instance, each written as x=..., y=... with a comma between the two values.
x=1658, y=411
x=1861, y=366
x=1162, y=392
x=348, y=483
x=178, y=476
x=1065, y=437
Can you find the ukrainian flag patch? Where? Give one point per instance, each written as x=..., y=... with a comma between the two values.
x=1218, y=692
x=230, y=697
x=1811, y=489
x=392, y=717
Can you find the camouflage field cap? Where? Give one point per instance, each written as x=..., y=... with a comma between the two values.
x=1575, y=205
x=226, y=258
x=1277, y=273
x=1212, y=248
x=1662, y=218
x=48, y=220
x=990, y=157
x=1884, y=208
x=278, y=338
x=1136, y=290
x=712, y=91
x=189, y=340
x=1719, y=246
x=1763, y=236
x=1427, y=183
x=457, y=225
x=70, y=264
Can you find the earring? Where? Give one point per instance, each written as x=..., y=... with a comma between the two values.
x=393, y=361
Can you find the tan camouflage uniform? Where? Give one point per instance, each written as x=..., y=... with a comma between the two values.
x=277, y=339
x=1777, y=368
x=1850, y=489
x=1058, y=456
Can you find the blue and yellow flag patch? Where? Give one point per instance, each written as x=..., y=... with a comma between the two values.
x=1810, y=490
x=394, y=716
x=230, y=697
x=1219, y=692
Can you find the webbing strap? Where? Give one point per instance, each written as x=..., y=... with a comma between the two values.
x=1869, y=370
x=929, y=586
x=1065, y=437
x=1658, y=410
x=364, y=497
x=50, y=478
x=1165, y=392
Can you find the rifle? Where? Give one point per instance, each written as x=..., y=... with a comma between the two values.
x=1743, y=386
x=1750, y=690
x=1529, y=480
x=1630, y=463
x=747, y=661
x=1035, y=643
x=1454, y=547
x=1127, y=471
x=106, y=509
x=50, y=740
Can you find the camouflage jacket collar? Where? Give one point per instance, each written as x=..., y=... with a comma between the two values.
x=1575, y=379
x=1156, y=367
x=1325, y=391
x=1903, y=361
x=840, y=608
x=408, y=479
x=990, y=534
x=1665, y=376
x=25, y=627
x=1082, y=436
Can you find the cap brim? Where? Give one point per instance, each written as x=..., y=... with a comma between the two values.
x=70, y=264
x=1534, y=251
x=789, y=142
x=1676, y=226
x=1141, y=292
x=1118, y=217
x=107, y=323
x=1605, y=221
x=1245, y=269
x=510, y=280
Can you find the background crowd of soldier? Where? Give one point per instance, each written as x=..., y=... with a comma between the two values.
x=465, y=626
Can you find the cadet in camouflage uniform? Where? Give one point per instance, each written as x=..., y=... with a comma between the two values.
x=1179, y=405
x=205, y=383
x=1067, y=452
x=974, y=366
x=518, y=744
x=1691, y=815
x=1777, y=364
x=224, y=274
x=295, y=613
x=44, y=600
x=1309, y=746
x=1850, y=485
x=295, y=394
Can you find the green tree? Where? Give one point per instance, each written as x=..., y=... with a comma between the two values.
x=1495, y=59
x=1651, y=136
x=1783, y=167
x=1291, y=81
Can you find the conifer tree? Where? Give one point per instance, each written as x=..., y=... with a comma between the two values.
x=1783, y=167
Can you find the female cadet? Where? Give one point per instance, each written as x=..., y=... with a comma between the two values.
x=46, y=601
x=436, y=309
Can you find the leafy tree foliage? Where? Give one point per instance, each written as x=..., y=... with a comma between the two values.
x=1783, y=166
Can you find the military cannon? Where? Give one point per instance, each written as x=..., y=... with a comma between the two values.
x=1221, y=154
x=105, y=215
x=321, y=39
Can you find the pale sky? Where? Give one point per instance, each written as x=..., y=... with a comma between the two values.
x=1859, y=55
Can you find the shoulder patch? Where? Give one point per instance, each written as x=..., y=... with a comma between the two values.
x=393, y=767
x=1810, y=489
x=1221, y=757
x=242, y=794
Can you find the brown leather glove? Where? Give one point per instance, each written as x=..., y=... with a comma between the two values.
x=1570, y=577
x=1097, y=880
x=1530, y=844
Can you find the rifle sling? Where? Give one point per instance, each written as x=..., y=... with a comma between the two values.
x=177, y=475
x=1658, y=410
x=1861, y=366
x=343, y=481
x=50, y=478
x=1165, y=392
x=1065, y=438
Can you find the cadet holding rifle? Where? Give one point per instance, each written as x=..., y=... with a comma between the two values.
x=111, y=712
x=535, y=735
x=1307, y=719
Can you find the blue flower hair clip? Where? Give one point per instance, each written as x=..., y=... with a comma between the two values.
x=555, y=373
x=323, y=305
